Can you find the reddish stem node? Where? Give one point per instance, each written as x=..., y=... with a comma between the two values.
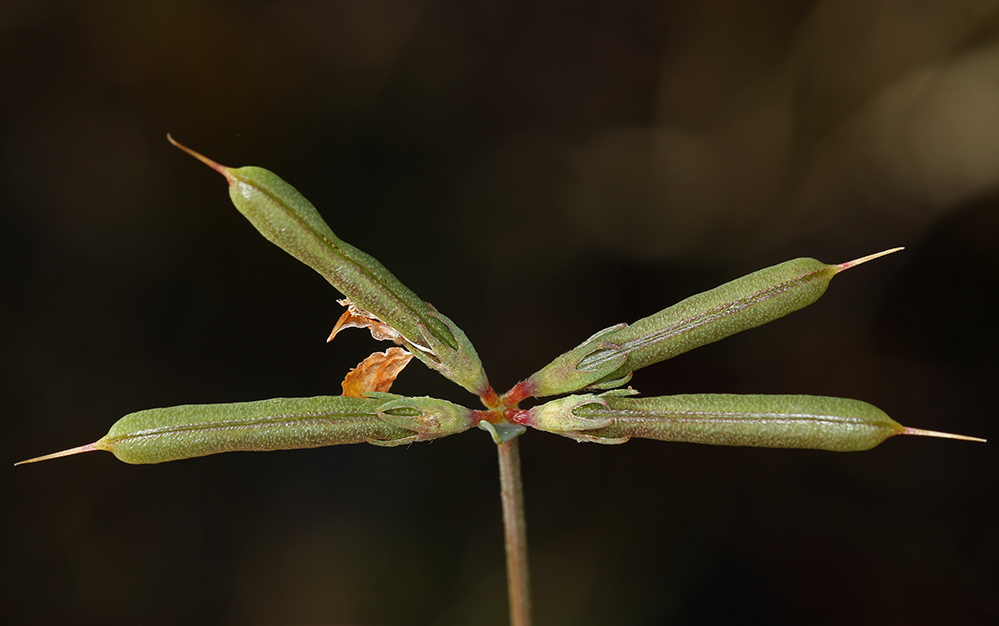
x=493, y=416
x=517, y=394
x=490, y=398
x=517, y=416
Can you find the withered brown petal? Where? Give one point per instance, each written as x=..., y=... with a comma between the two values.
x=375, y=373
x=354, y=317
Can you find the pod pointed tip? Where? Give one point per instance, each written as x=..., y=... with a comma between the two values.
x=90, y=447
x=221, y=169
x=932, y=433
x=864, y=259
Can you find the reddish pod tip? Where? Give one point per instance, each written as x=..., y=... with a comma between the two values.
x=90, y=447
x=865, y=259
x=221, y=169
x=932, y=433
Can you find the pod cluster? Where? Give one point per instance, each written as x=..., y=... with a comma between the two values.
x=605, y=361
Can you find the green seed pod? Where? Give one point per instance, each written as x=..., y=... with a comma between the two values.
x=768, y=421
x=181, y=432
x=286, y=218
x=607, y=359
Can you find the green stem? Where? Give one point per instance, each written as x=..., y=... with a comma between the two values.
x=515, y=528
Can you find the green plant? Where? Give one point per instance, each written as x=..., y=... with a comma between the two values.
x=594, y=405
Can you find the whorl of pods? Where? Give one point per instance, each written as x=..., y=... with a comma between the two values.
x=604, y=361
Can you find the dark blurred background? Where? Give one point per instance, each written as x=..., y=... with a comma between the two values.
x=538, y=170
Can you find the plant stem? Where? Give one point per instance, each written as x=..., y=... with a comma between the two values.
x=515, y=528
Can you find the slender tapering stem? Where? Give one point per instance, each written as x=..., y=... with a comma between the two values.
x=515, y=527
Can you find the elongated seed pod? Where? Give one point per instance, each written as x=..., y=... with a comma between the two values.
x=283, y=216
x=607, y=359
x=768, y=421
x=180, y=432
